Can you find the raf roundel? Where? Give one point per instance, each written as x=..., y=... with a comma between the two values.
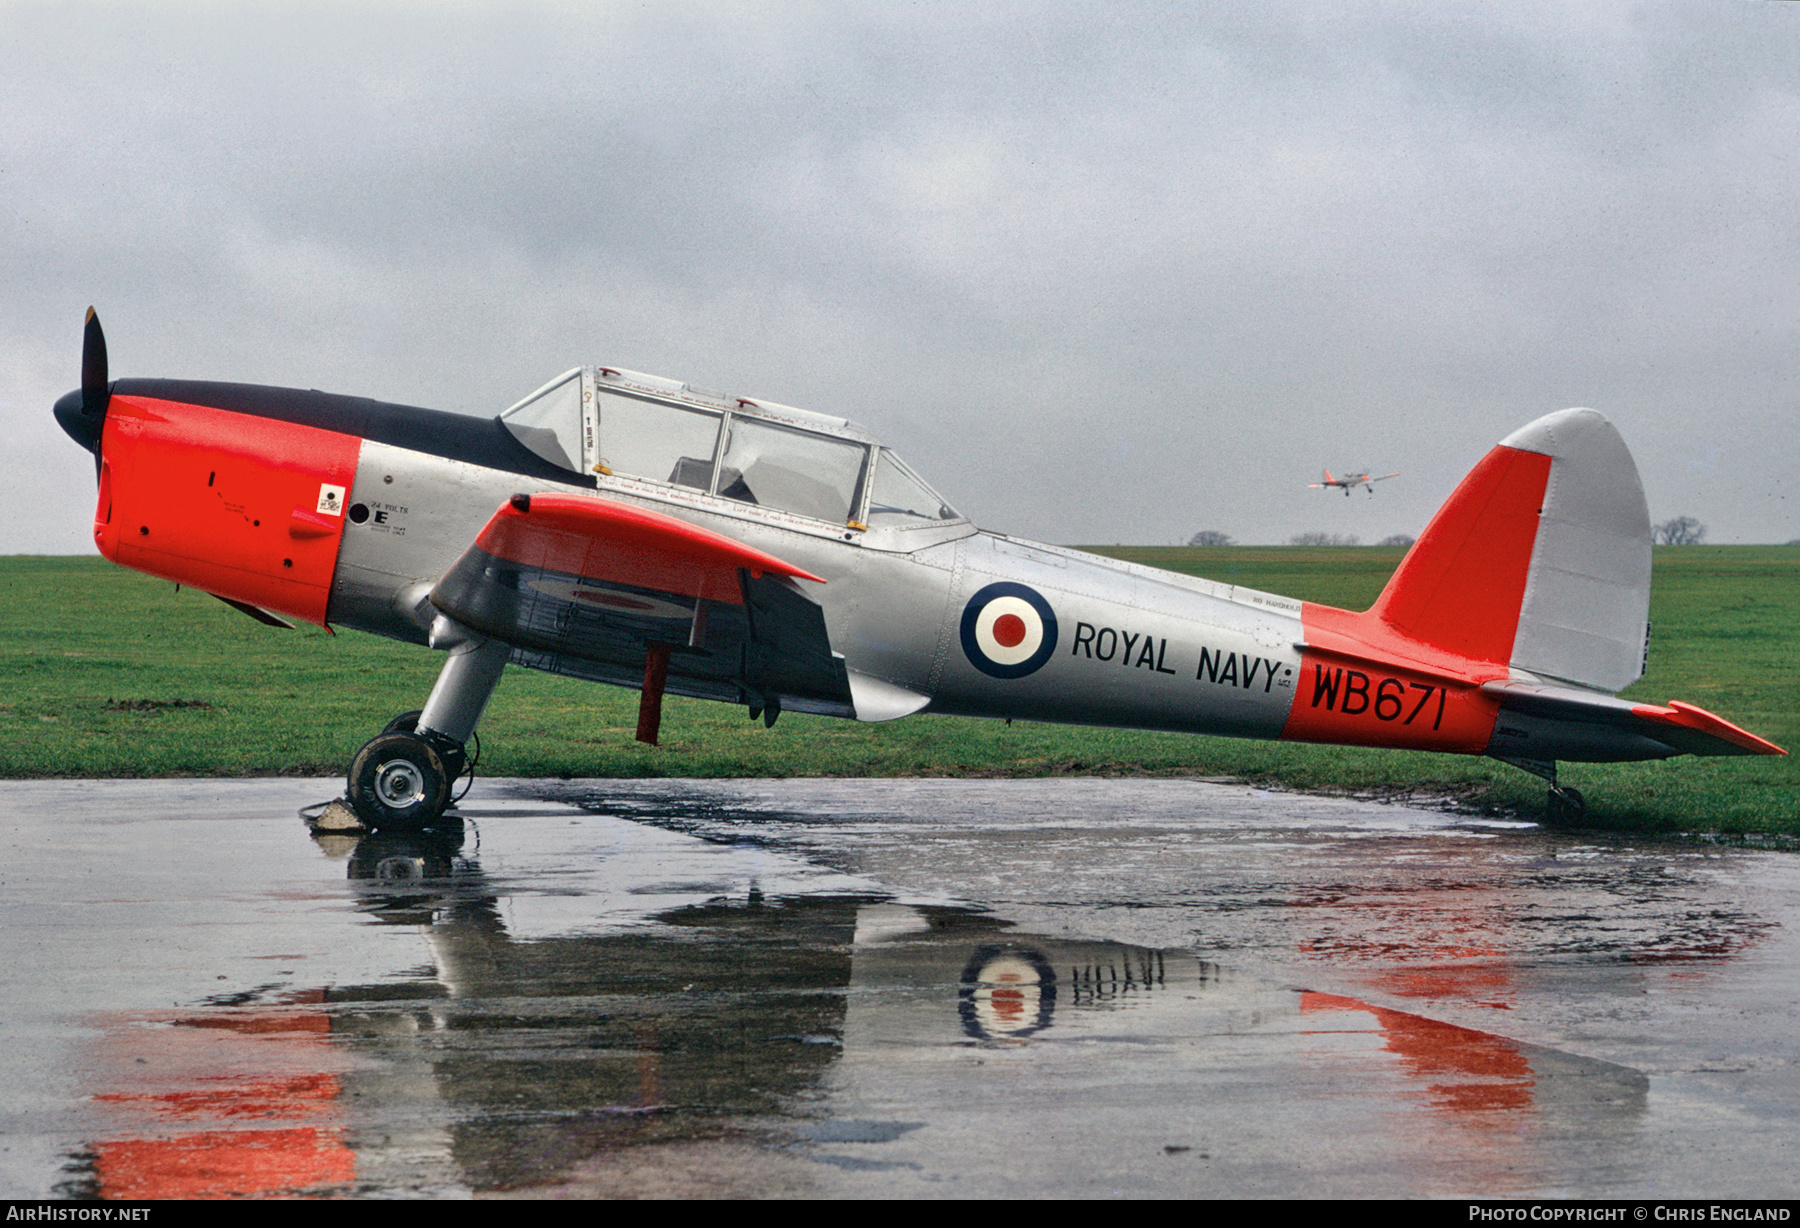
x=1008, y=630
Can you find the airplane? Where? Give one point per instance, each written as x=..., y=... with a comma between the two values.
x=1349, y=482
x=639, y=531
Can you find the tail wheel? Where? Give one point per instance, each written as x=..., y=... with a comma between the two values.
x=1565, y=805
x=398, y=782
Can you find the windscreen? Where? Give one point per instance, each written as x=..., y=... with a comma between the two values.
x=549, y=421
x=899, y=497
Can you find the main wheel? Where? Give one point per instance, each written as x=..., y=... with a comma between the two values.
x=455, y=757
x=398, y=782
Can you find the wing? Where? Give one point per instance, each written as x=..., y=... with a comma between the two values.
x=1549, y=722
x=600, y=590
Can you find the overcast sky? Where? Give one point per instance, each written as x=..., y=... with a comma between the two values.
x=1102, y=274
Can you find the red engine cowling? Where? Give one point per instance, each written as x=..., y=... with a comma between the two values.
x=245, y=507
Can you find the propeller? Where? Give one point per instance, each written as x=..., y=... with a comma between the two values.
x=94, y=395
x=83, y=413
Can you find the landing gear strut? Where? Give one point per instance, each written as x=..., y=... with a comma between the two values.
x=401, y=780
x=1562, y=804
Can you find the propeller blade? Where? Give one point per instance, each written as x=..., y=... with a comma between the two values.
x=82, y=413
x=93, y=367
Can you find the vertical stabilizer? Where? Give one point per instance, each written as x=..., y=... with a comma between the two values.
x=1540, y=559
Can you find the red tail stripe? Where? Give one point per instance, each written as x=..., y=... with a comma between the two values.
x=1461, y=585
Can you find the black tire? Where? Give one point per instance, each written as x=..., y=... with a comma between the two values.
x=1563, y=805
x=398, y=783
x=456, y=759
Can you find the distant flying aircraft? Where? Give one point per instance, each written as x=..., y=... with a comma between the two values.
x=638, y=531
x=1350, y=481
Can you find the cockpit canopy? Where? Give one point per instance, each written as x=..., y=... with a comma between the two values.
x=610, y=422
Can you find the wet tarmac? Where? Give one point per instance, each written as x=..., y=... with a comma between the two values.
x=1070, y=988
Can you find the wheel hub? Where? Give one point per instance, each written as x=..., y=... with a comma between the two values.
x=399, y=784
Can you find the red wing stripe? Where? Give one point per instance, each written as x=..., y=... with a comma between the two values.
x=601, y=539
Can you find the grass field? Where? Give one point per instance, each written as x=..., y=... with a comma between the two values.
x=104, y=672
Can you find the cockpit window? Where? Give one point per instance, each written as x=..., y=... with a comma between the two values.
x=577, y=422
x=662, y=442
x=898, y=497
x=795, y=471
x=549, y=421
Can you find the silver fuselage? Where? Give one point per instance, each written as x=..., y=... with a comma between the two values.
x=1136, y=647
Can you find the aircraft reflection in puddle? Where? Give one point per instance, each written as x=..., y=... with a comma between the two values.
x=220, y=1102
x=506, y=1063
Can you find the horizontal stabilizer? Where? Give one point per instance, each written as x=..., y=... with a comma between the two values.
x=1550, y=722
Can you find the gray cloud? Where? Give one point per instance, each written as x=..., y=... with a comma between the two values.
x=1104, y=275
